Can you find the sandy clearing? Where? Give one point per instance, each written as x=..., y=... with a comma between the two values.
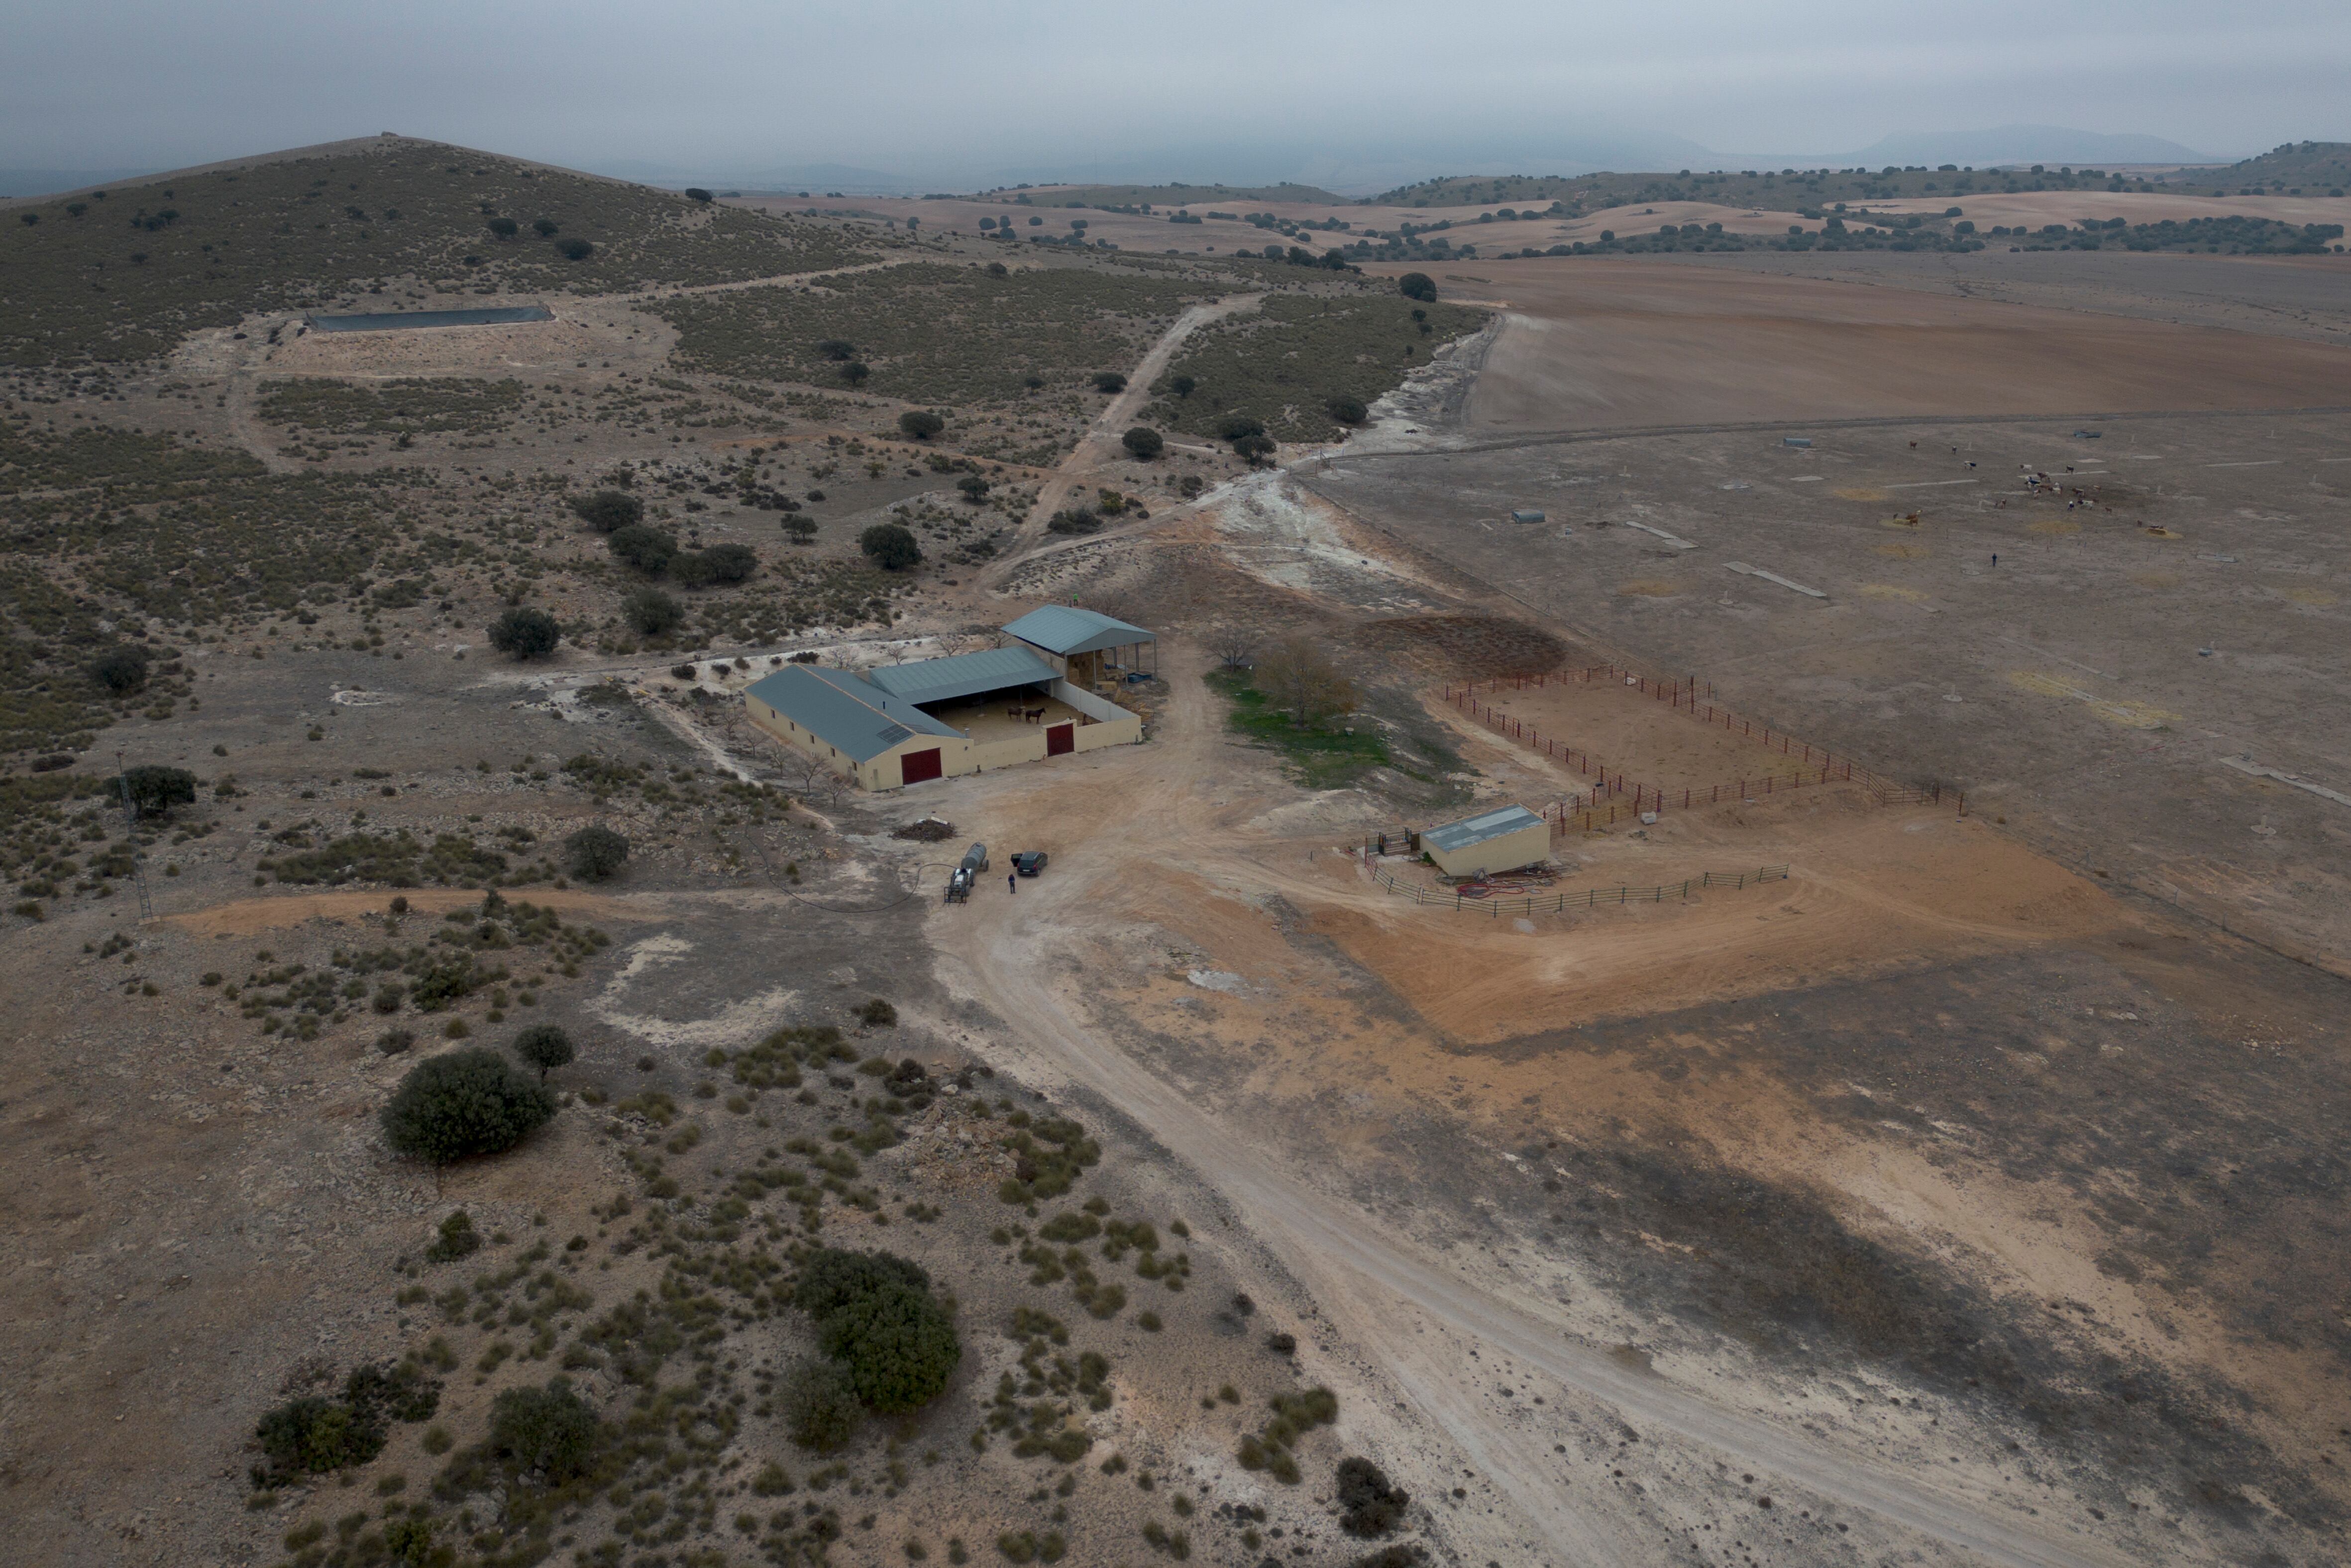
x=1374, y=1287
x=249, y=916
x=1597, y=342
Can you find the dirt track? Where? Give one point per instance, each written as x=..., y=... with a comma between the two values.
x=1155, y=806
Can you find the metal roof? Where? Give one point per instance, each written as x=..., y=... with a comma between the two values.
x=854, y=717
x=1065, y=630
x=963, y=675
x=1477, y=829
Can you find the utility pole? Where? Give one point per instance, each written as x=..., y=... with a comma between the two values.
x=131, y=828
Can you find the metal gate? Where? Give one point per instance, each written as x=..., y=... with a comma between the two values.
x=915, y=766
x=1061, y=740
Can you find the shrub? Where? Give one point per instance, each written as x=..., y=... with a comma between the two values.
x=312, y=1435
x=456, y=1238
x=545, y=229
x=392, y=1041
x=833, y=1277
x=647, y=548
x=877, y=1014
x=596, y=852
x=605, y=510
x=1143, y=442
x=650, y=612
x=1348, y=410
x=730, y=562
x=921, y=424
x=525, y=633
x=505, y=228
x=121, y=670
x=1368, y=1505
x=544, y=1046
x=156, y=790
x=1109, y=381
x=466, y=1103
x=1417, y=285
x=876, y=1317
x=840, y=350
x=1239, y=427
x=548, y=1429
x=1079, y=521
x=576, y=249
x=890, y=547
x=820, y=1409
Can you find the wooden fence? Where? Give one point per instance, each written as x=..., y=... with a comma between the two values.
x=1695, y=698
x=1557, y=903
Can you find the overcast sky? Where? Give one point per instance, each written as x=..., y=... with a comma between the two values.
x=944, y=91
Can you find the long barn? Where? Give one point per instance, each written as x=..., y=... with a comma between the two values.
x=898, y=725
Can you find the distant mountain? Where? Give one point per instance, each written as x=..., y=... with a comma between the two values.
x=2024, y=144
x=15, y=183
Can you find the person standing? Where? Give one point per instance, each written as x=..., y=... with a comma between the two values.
x=1012, y=882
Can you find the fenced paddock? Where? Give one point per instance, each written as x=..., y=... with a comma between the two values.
x=1483, y=900
x=1766, y=761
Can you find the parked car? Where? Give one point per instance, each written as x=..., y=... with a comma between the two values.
x=1028, y=862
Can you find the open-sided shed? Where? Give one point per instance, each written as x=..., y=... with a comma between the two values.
x=1085, y=646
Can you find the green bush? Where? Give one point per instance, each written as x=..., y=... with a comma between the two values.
x=596, y=852
x=1109, y=381
x=466, y=1103
x=897, y=1345
x=154, y=790
x=544, y=1046
x=548, y=1430
x=831, y=1278
x=890, y=547
x=525, y=633
x=1348, y=410
x=1417, y=285
x=314, y=1435
x=607, y=510
x=1144, y=443
x=121, y=670
x=921, y=424
x=642, y=546
x=576, y=249
x=1368, y=1504
x=730, y=562
x=650, y=612
x=456, y=1238
x=820, y=1408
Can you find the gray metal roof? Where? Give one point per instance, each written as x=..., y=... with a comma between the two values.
x=1477, y=829
x=963, y=675
x=854, y=717
x=1064, y=629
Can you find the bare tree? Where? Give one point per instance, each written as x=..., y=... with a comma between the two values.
x=1299, y=678
x=1235, y=647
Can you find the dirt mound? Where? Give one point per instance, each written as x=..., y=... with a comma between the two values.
x=1467, y=647
x=929, y=831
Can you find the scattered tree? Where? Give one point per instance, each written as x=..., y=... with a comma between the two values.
x=606, y=510
x=650, y=612
x=1348, y=410
x=974, y=488
x=1109, y=381
x=1235, y=648
x=1182, y=386
x=1144, y=443
x=642, y=546
x=1256, y=448
x=471, y=1101
x=855, y=372
x=576, y=250
x=731, y=562
x=596, y=852
x=154, y=790
x=525, y=633
x=1298, y=677
x=696, y=194
x=505, y=228
x=121, y=669
x=820, y=1408
x=546, y=1430
x=544, y=1046
x=890, y=547
x=877, y=1318
x=921, y=424
x=546, y=227
x=839, y=349
x=1417, y=285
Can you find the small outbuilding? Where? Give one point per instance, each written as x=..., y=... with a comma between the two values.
x=1527, y=514
x=1085, y=648
x=1497, y=841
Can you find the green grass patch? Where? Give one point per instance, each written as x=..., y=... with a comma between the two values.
x=1319, y=756
x=126, y=275
x=1284, y=364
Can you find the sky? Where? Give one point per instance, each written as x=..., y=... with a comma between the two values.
x=1238, y=90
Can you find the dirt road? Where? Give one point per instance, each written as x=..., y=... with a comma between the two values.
x=1100, y=442
x=1379, y=1292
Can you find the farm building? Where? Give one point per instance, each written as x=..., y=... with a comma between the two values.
x=1497, y=841
x=1085, y=648
x=938, y=718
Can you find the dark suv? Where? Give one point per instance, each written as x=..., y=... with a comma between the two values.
x=1028, y=862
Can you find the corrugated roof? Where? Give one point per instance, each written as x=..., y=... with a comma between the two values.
x=1477, y=829
x=1064, y=629
x=963, y=675
x=854, y=717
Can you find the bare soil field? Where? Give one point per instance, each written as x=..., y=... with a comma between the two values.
x=1602, y=342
